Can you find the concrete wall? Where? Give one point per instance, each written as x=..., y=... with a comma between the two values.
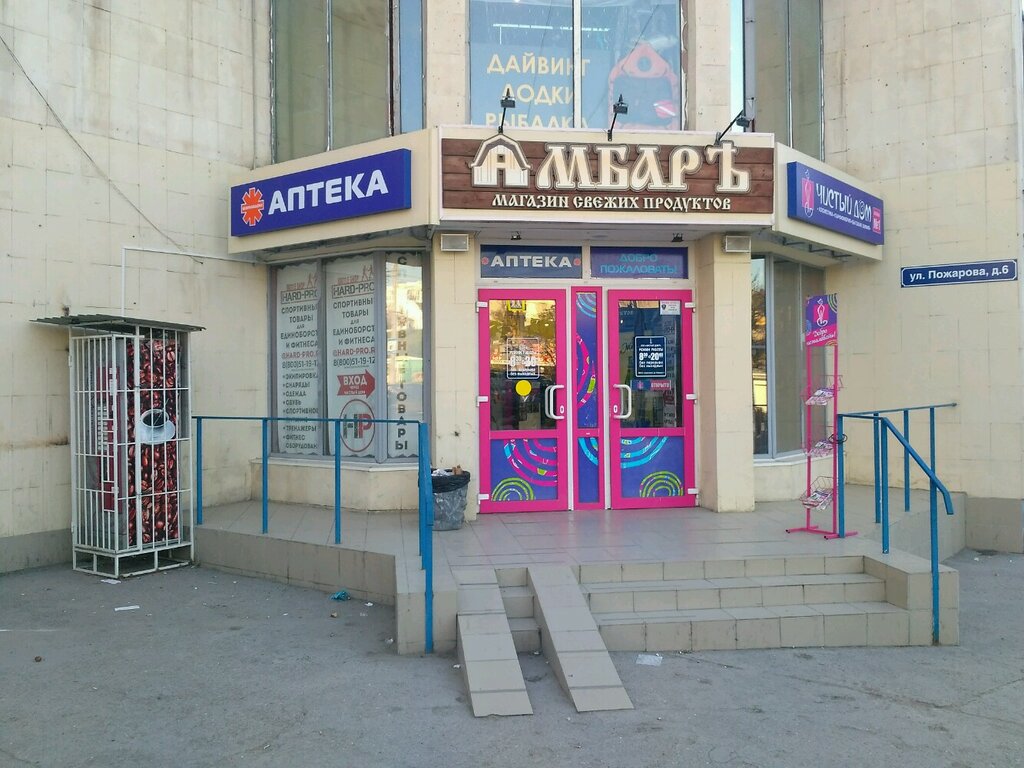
x=120, y=126
x=923, y=99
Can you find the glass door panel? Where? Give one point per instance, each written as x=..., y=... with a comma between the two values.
x=650, y=377
x=523, y=412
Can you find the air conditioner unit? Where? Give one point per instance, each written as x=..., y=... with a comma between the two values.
x=736, y=244
x=454, y=243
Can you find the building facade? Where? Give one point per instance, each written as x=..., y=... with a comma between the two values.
x=531, y=225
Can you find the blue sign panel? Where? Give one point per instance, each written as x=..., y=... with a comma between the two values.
x=531, y=261
x=637, y=262
x=946, y=274
x=344, y=190
x=827, y=202
x=649, y=358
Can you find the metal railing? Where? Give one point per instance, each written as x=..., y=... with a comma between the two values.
x=426, y=496
x=882, y=428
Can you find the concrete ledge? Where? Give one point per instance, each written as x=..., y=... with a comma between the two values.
x=996, y=524
x=32, y=550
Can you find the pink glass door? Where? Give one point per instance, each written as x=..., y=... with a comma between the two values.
x=524, y=395
x=650, y=408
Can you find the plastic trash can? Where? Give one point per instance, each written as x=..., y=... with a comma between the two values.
x=449, y=499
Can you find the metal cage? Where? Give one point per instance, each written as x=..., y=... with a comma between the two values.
x=132, y=499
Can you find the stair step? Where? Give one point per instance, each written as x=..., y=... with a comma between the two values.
x=785, y=626
x=777, y=565
x=525, y=634
x=518, y=601
x=732, y=592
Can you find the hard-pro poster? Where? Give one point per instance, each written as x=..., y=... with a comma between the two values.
x=298, y=358
x=352, y=352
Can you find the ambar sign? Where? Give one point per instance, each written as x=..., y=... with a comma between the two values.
x=500, y=173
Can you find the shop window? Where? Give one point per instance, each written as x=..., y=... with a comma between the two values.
x=778, y=291
x=348, y=343
x=630, y=48
x=782, y=44
x=332, y=65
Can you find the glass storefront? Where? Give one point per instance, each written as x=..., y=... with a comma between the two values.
x=348, y=343
x=778, y=289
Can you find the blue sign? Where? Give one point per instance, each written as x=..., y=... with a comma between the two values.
x=649, y=357
x=946, y=274
x=359, y=187
x=637, y=262
x=531, y=261
x=827, y=202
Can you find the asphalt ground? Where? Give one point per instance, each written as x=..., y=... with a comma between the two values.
x=214, y=669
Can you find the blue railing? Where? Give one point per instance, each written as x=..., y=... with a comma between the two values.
x=426, y=496
x=882, y=427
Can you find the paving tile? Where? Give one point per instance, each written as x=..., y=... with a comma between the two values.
x=608, y=602
x=802, y=631
x=661, y=600
x=486, y=599
x=568, y=619
x=499, y=675
x=758, y=633
x=588, y=668
x=595, y=573
x=683, y=569
x=642, y=571
x=718, y=569
x=577, y=640
x=764, y=566
x=623, y=637
x=846, y=630
x=487, y=703
x=601, y=699
x=465, y=576
x=668, y=636
x=493, y=647
x=888, y=629
x=482, y=623
x=714, y=635
x=745, y=596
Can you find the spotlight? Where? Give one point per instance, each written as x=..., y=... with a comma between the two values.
x=618, y=108
x=507, y=102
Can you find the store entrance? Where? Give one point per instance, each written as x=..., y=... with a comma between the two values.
x=585, y=399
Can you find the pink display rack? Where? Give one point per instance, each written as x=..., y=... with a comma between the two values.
x=821, y=395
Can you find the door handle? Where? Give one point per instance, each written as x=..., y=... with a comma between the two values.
x=553, y=389
x=549, y=403
x=629, y=402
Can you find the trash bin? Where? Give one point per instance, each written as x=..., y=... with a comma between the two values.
x=449, y=499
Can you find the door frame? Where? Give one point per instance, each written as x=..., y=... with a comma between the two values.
x=559, y=433
x=688, y=496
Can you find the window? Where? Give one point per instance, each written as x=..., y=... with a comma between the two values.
x=332, y=72
x=348, y=338
x=783, y=71
x=778, y=289
x=625, y=47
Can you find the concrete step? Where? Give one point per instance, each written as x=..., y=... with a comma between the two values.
x=733, y=592
x=782, y=565
x=518, y=601
x=525, y=634
x=784, y=626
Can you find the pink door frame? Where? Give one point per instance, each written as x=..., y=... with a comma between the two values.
x=561, y=404
x=685, y=431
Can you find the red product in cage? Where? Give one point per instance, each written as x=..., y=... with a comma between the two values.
x=153, y=473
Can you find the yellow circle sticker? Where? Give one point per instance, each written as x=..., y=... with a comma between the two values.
x=523, y=387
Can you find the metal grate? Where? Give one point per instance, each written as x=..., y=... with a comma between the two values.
x=130, y=439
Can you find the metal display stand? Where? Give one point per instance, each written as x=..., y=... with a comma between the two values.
x=821, y=397
x=131, y=452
